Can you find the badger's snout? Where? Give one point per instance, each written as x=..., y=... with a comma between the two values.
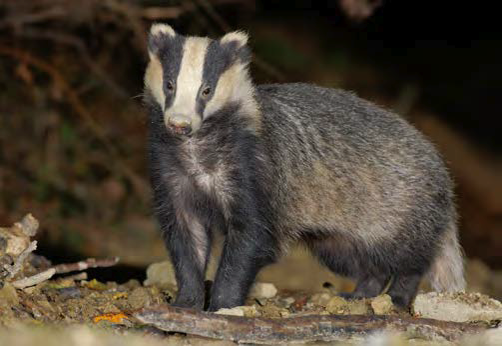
x=179, y=124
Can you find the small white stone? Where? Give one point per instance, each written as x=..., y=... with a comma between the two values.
x=237, y=311
x=457, y=307
x=382, y=304
x=160, y=274
x=263, y=290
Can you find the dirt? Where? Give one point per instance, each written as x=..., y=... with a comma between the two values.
x=70, y=305
x=94, y=309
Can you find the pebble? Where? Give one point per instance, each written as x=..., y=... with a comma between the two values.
x=336, y=305
x=457, y=307
x=321, y=299
x=237, y=311
x=160, y=274
x=9, y=295
x=69, y=292
x=382, y=305
x=263, y=290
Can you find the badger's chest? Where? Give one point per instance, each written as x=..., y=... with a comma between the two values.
x=208, y=170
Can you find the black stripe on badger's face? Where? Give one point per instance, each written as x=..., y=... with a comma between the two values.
x=193, y=77
x=168, y=48
x=220, y=56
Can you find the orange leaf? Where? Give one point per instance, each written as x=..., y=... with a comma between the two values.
x=113, y=318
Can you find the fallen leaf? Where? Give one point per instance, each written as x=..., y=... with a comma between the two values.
x=113, y=318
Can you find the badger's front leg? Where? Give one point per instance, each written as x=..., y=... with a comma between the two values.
x=188, y=247
x=248, y=247
x=188, y=244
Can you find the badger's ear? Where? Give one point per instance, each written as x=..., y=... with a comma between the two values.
x=158, y=37
x=239, y=37
x=236, y=44
x=161, y=29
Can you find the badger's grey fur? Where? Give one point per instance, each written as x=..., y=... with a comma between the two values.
x=272, y=164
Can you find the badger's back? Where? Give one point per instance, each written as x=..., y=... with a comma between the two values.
x=343, y=165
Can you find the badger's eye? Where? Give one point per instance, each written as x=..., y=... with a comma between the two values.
x=169, y=86
x=206, y=92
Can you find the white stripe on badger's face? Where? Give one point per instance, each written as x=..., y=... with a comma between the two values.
x=189, y=81
x=154, y=79
x=234, y=85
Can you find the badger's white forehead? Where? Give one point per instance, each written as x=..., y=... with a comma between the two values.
x=190, y=77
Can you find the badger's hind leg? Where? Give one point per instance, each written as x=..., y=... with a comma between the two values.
x=367, y=286
x=403, y=289
x=344, y=258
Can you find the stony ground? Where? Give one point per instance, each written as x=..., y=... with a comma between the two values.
x=76, y=308
x=72, y=306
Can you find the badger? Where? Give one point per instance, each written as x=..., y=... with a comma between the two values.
x=272, y=165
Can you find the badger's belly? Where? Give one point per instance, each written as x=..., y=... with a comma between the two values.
x=358, y=204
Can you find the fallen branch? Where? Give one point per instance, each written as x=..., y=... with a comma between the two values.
x=34, y=279
x=84, y=265
x=302, y=328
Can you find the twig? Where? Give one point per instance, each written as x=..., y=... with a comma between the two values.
x=171, y=12
x=18, y=264
x=302, y=328
x=34, y=279
x=159, y=13
x=359, y=10
x=83, y=265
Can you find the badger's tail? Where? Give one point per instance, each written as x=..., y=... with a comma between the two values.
x=447, y=271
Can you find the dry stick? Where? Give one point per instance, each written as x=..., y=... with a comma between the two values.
x=302, y=328
x=16, y=267
x=83, y=265
x=34, y=279
x=65, y=268
x=159, y=12
x=171, y=12
x=359, y=10
x=78, y=106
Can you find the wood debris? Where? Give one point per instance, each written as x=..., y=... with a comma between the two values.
x=301, y=328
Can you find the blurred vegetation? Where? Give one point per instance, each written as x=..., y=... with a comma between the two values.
x=72, y=129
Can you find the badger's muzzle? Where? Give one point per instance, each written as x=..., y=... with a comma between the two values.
x=179, y=124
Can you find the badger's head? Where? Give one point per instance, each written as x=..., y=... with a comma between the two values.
x=192, y=78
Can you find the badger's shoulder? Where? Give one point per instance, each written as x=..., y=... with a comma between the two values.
x=336, y=111
x=316, y=101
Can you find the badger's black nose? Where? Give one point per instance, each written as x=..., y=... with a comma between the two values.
x=180, y=126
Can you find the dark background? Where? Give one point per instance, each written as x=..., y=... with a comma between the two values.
x=72, y=129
